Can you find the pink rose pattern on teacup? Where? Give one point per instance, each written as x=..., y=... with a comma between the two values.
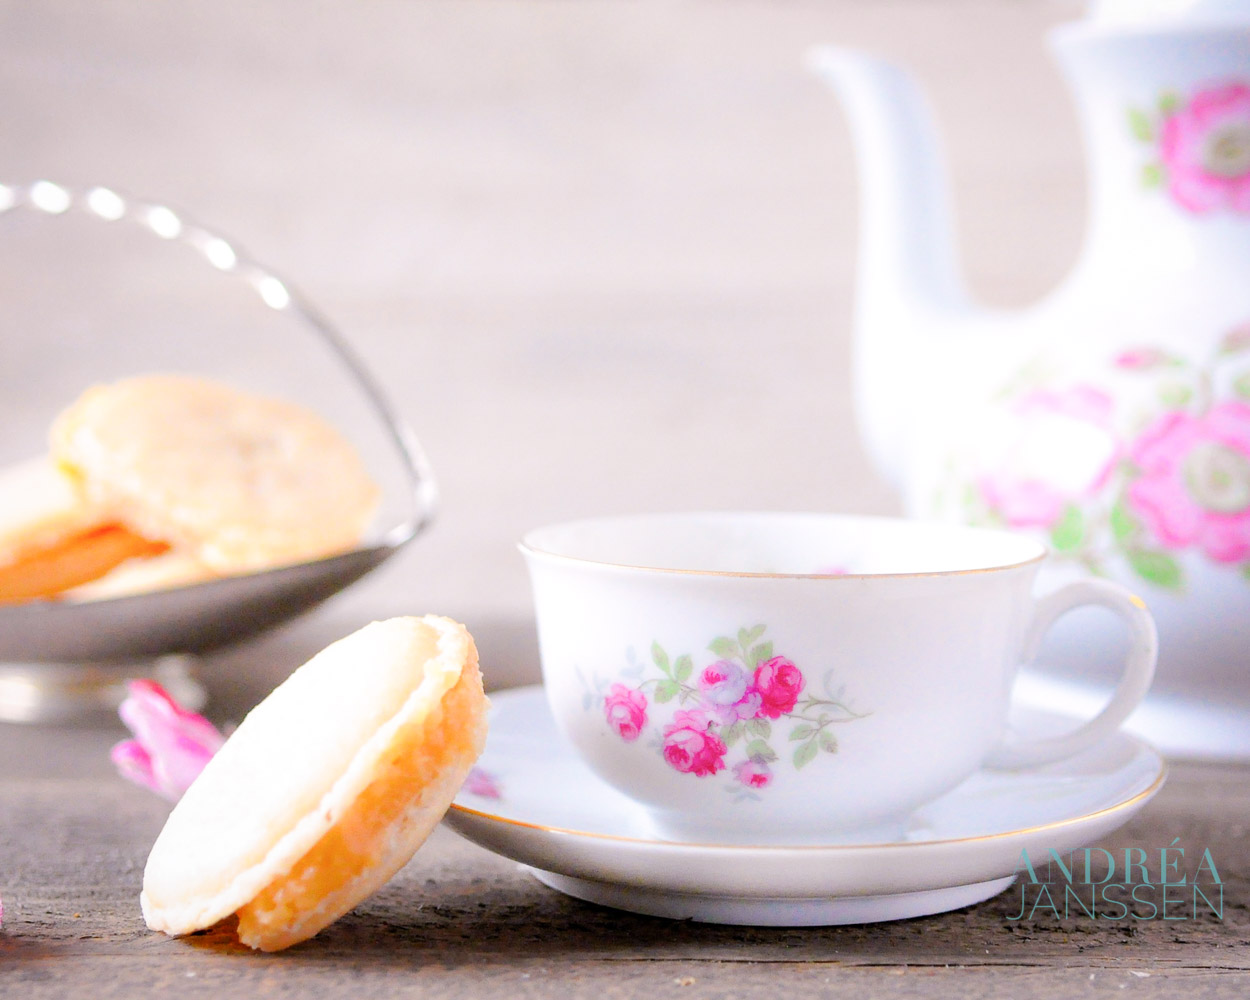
x=779, y=684
x=1140, y=482
x=692, y=746
x=626, y=711
x=1202, y=145
x=731, y=709
x=726, y=690
x=753, y=774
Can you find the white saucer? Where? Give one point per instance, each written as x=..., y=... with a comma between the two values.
x=532, y=799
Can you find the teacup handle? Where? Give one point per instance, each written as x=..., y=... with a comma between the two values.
x=1139, y=668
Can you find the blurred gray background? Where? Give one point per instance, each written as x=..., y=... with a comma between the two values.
x=600, y=253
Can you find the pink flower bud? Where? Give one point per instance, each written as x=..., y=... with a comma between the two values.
x=170, y=745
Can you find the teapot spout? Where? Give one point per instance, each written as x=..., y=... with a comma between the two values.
x=908, y=278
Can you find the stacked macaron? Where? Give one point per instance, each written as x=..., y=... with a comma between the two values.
x=162, y=480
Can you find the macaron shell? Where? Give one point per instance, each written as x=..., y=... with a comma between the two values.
x=141, y=576
x=240, y=481
x=381, y=831
x=299, y=762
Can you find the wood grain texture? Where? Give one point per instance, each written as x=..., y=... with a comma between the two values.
x=460, y=922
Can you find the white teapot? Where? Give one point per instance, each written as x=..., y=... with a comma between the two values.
x=1112, y=418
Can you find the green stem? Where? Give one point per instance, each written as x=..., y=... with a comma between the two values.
x=810, y=702
x=683, y=688
x=816, y=722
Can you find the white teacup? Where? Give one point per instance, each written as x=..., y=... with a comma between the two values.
x=799, y=678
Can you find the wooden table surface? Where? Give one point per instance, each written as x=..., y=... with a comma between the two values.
x=461, y=922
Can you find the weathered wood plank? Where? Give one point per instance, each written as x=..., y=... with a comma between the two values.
x=459, y=921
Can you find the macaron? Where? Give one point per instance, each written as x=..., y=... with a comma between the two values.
x=52, y=540
x=39, y=508
x=326, y=789
x=238, y=481
x=160, y=481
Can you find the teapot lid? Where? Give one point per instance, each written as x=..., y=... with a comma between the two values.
x=1127, y=13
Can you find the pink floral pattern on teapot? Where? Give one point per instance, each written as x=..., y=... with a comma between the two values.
x=1157, y=466
x=1202, y=145
x=729, y=712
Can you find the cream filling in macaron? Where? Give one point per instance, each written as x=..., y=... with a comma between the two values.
x=326, y=789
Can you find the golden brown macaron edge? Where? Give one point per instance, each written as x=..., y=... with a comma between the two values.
x=456, y=658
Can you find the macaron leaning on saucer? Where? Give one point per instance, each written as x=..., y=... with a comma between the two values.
x=326, y=789
x=161, y=480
